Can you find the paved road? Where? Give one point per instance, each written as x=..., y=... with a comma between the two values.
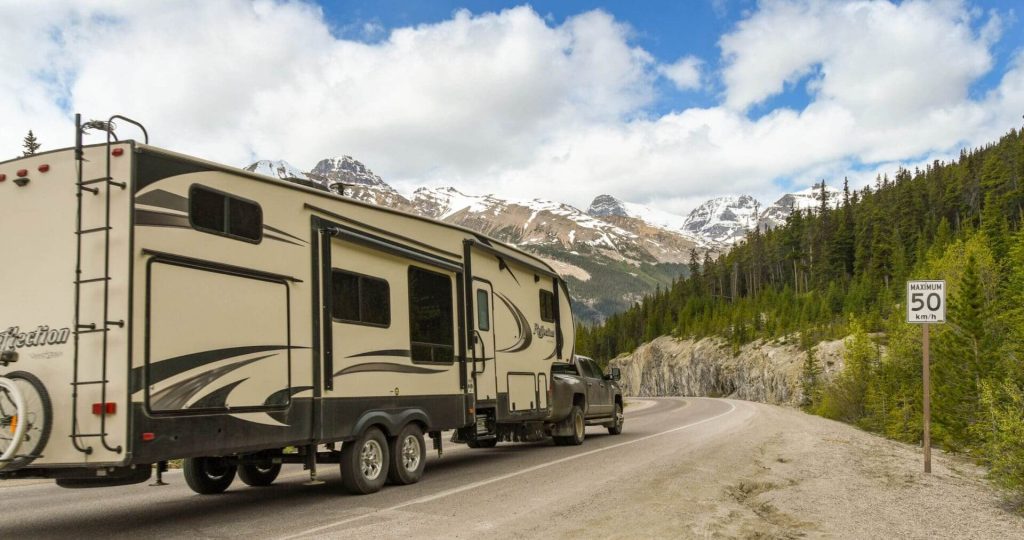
x=514, y=490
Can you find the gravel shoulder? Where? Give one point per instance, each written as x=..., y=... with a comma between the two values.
x=776, y=472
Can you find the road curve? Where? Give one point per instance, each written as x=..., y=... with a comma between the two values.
x=512, y=490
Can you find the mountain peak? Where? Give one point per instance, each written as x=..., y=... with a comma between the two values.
x=345, y=170
x=606, y=205
x=278, y=169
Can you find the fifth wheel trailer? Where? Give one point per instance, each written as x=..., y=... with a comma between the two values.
x=157, y=306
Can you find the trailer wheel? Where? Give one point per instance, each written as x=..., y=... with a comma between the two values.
x=483, y=443
x=578, y=429
x=208, y=475
x=37, y=417
x=364, y=463
x=616, y=427
x=408, y=456
x=254, y=474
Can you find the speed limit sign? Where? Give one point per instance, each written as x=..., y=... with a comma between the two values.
x=926, y=302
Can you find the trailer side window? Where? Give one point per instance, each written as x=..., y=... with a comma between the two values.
x=219, y=213
x=483, y=310
x=360, y=299
x=547, y=306
x=431, y=327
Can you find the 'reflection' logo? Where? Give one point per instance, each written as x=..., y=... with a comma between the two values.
x=14, y=338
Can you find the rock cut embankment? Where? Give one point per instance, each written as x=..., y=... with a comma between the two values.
x=768, y=372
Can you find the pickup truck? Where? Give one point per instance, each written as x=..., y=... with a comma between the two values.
x=582, y=395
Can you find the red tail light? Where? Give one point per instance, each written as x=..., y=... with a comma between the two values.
x=104, y=408
x=148, y=436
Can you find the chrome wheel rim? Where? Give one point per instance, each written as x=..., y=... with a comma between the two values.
x=410, y=453
x=371, y=460
x=215, y=469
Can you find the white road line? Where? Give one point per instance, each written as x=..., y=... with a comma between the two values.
x=481, y=483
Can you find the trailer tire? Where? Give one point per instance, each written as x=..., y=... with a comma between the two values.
x=483, y=443
x=364, y=463
x=208, y=475
x=37, y=403
x=408, y=456
x=616, y=427
x=578, y=429
x=258, y=475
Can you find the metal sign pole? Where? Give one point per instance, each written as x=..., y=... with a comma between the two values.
x=927, y=412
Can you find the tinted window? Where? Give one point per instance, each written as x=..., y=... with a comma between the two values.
x=590, y=369
x=360, y=299
x=559, y=367
x=547, y=306
x=219, y=213
x=483, y=310
x=431, y=327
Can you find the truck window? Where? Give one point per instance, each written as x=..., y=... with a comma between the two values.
x=547, y=306
x=431, y=328
x=359, y=299
x=590, y=369
x=219, y=213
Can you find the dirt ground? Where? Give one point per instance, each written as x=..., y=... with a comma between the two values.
x=780, y=473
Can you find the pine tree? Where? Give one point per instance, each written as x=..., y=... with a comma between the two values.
x=30, y=144
x=809, y=379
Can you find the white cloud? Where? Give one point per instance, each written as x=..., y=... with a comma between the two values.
x=511, y=102
x=684, y=73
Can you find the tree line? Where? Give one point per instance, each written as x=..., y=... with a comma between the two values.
x=841, y=269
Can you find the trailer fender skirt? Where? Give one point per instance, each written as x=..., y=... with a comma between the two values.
x=392, y=421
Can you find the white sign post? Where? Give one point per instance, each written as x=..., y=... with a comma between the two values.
x=926, y=304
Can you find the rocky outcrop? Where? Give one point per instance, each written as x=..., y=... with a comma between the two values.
x=762, y=371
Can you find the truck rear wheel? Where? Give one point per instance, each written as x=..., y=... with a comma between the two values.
x=578, y=429
x=209, y=475
x=364, y=463
x=255, y=474
x=408, y=456
x=616, y=427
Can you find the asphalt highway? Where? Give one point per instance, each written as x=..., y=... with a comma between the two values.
x=513, y=490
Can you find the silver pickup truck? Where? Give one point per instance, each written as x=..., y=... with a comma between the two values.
x=582, y=395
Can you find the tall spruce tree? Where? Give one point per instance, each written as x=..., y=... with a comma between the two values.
x=30, y=144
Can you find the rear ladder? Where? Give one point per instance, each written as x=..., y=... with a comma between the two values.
x=103, y=327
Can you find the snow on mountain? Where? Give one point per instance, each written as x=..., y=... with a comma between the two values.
x=606, y=205
x=345, y=170
x=277, y=169
x=722, y=221
x=808, y=199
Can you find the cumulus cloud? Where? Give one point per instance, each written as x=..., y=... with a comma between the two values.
x=510, y=102
x=684, y=73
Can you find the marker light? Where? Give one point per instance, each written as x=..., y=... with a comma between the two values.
x=3, y=177
x=117, y=152
x=148, y=436
x=104, y=408
x=22, y=173
x=14, y=423
x=44, y=167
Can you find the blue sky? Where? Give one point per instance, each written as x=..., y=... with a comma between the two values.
x=661, y=103
x=667, y=29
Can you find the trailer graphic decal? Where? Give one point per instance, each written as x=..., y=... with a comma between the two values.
x=522, y=327
x=387, y=352
x=165, y=369
x=218, y=399
x=177, y=395
x=386, y=367
x=14, y=338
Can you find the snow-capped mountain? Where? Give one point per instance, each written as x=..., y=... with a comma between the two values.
x=808, y=199
x=278, y=169
x=722, y=221
x=606, y=205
